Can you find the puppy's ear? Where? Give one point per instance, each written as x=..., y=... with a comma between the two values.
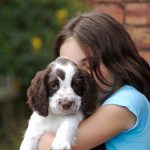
x=37, y=93
x=90, y=95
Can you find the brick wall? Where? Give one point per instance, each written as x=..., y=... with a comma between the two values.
x=135, y=15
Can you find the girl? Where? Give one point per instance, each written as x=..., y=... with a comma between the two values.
x=99, y=44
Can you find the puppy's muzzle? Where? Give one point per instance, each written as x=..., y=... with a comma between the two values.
x=66, y=103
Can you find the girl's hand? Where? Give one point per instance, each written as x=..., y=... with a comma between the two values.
x=45, y=141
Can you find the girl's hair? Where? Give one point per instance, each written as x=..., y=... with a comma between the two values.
x=105, y=41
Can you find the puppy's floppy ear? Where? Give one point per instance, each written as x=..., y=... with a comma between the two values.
x=37, y=93
x=90, y=95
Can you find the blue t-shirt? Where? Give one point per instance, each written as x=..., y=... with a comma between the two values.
x=137, y=137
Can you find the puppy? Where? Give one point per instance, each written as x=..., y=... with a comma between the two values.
x=61, y=96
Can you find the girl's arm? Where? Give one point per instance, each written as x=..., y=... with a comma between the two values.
x=105, y=123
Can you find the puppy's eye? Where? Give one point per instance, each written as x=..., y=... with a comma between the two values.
x=53, y=86
x=76, y=84
x=77, y=87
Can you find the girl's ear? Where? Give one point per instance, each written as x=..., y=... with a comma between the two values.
x=90, y=95
x=37, y=93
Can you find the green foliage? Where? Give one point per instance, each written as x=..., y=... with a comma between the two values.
x=27, y=32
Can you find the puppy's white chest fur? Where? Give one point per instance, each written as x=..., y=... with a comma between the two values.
x=63, y=126
x=52, y=122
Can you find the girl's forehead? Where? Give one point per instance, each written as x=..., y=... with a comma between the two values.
x=71, y=50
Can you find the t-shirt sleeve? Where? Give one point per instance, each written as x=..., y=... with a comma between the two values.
x=134, y=101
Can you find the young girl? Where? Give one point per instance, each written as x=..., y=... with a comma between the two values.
x=99, y=44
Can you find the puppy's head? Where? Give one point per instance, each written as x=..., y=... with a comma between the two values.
x=62, y=88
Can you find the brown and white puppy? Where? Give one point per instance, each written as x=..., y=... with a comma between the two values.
x=60, y=96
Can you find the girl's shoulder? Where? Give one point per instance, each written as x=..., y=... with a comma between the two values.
x=127, y=95
x=132, y=99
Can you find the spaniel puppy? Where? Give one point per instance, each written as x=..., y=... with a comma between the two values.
x=61, y=96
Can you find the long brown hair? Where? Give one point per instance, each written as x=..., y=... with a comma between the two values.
x=104, y=40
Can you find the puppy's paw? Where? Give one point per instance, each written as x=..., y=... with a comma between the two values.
x=60, y=145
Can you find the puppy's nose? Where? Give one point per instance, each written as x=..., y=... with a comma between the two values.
x=66, y=104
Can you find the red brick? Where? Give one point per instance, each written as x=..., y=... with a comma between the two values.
x=136, y=1
x=114, y=10
x=141, y=36
x=145, y=55
x=137, y=13
x=107, y=1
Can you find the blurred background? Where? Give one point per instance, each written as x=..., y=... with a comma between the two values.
x=27, y=33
